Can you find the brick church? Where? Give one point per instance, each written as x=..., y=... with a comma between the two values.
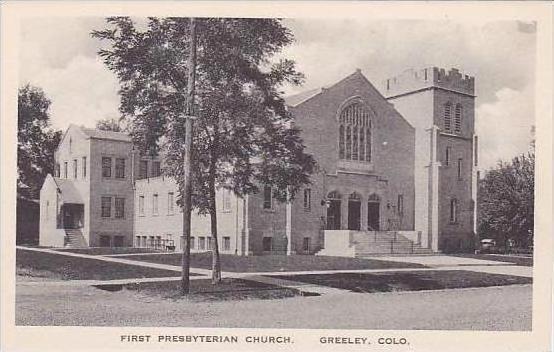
x=396, y=174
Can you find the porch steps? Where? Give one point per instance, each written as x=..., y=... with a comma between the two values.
x=74, y=239
x=386, y=242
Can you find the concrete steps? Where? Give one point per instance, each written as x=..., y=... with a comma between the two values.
x=386, y=242
x=74, y=239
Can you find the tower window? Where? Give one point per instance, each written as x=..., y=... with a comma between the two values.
x=65, y=169
x=458, y=119
x=354, y=133
x=447, y=117
x=453, y=210
x=75, y=168
x=84, y=161
x=307, y=199
x=268, y=198
x=460, y=165
x=447, y=156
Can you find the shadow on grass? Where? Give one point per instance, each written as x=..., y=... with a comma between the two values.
x=61, y=267
x=203, y=290
x=407, y=281
x=275, y=263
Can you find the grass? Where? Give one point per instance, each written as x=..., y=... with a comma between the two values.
x=107, y=250
x=268, y=263
x=408, y=281
x=204, y=290
x=514, y=259
x=61, y=267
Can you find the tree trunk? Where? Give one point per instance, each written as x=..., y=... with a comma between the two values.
x=187, y=165
x=216, y=263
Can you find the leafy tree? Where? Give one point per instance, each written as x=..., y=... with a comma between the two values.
x=110, y=124
x=506, y=201
x=36, y=141
x=243, y=136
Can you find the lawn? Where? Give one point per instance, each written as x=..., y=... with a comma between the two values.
x=62, y=267
x=407, y=281
x=268, y=263
x=107, y=250
x=514, y=259
x=204, y=290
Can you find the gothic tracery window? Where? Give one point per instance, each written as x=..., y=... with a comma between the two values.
x=355, y=133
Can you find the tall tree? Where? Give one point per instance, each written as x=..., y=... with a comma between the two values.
x=110, y=124
x=506, y=201
x=36, y=140
x=244, y=135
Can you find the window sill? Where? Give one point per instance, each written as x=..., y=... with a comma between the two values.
x=269, y=210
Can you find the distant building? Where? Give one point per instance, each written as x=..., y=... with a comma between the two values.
x=396, y=173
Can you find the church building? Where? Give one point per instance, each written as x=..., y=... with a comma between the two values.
x=396, y=174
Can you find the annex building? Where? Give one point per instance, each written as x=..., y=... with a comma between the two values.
x=397, y=174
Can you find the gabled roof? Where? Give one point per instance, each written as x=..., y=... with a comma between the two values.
x=69, y=192
x=98, y=134
x=297, y=99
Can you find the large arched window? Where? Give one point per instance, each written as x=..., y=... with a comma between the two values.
x=448, y=117
x=355, y=133
x=458, y=119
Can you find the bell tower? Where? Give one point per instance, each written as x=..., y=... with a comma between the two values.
x=440, y=105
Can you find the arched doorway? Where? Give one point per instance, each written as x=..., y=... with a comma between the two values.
x=333, y=210
x=354, y=211
x=373, y=203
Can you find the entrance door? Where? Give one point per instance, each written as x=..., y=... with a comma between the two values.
x=354, y=215
x=333, y=215
x=373, y=216
x=73, y=215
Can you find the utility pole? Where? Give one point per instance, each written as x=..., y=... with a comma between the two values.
x=189, y=121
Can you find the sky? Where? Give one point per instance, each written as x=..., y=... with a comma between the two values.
x=61, y=58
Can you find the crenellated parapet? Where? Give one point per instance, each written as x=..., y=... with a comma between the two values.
x=413, y=80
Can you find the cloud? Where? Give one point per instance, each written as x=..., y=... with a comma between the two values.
x=81, y=92
x=504, y=125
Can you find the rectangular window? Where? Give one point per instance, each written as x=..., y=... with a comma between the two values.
x=268, y=198
x=106, y=166
x=476, y=152
x=120, y=168
x=226, y=200
x=57, y=172
x=306, y=244
x=84, y=161
x=447, y=156
x=192, y=244
x=201, y=243
x=144, y=241
x=267, y=244
x=459, y=169
x=106, y=207
x=65, y=169
x=400, y=204
x=156, y=170
x=453, y=210
x=307, y=199
x=226, y=243
x=143, y=169
x=120, y=208
x=170, y=204
x=137, y=241
x=75, y=168
x=141, y=205
x=210, y=242
x=155, y=204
